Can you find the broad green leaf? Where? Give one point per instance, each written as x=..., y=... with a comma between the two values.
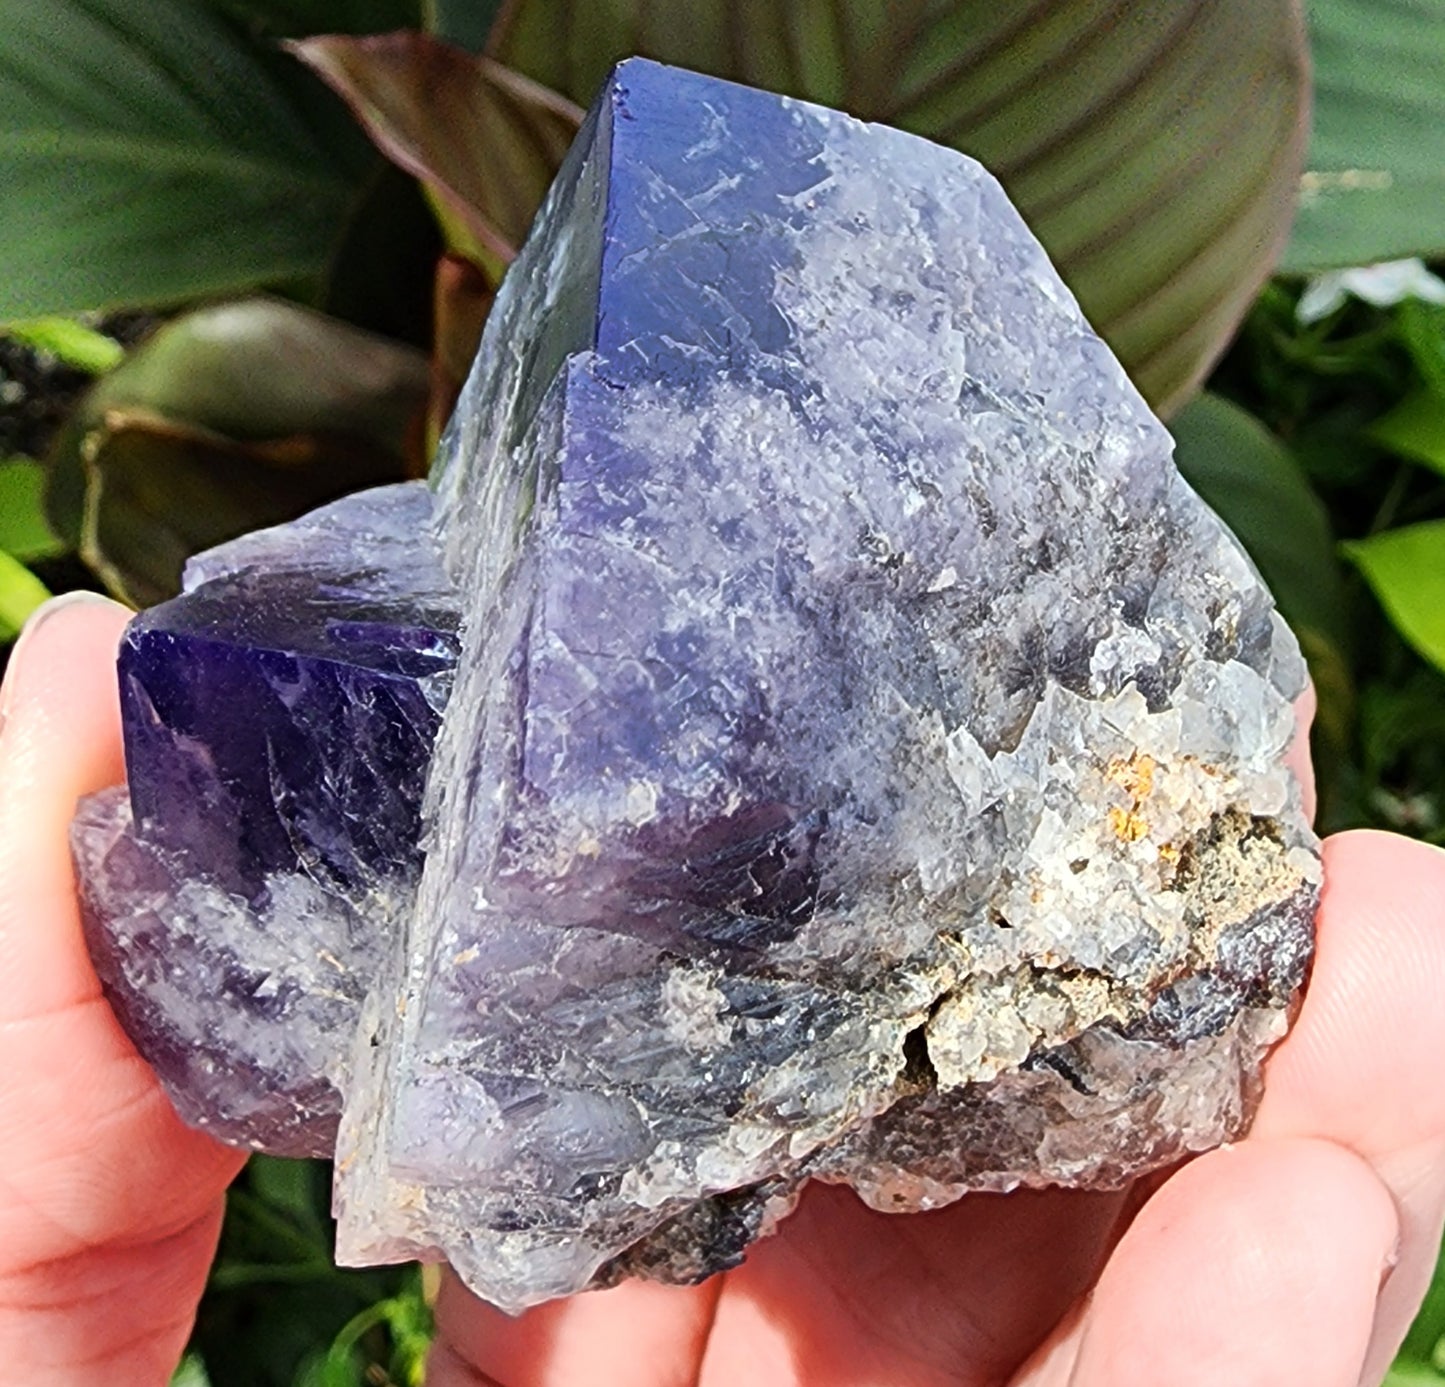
x=21, y=592
x=25, y=532
x=1258, y=489
x=1415, y=429
x=264, y=368
x=157, y=492
x=152, y=152
x=1374, y=187
x=1408, y=1373
x=485, y=141
x=1406, y=570
x=1155, y=149
x=69, y=341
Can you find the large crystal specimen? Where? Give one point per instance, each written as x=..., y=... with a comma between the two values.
x=866, y=752
x=864, y=759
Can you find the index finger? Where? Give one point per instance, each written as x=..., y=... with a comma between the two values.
x=60, y=739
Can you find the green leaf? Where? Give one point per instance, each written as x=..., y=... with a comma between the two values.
x=262, y=368
x=1415, y=429
x=191, y=1373
x=485, y=141
x=1406, y=570
x=1258, y=489
x=69, y=341
x=226, y=419
x=463, y=22
x=1422, y=328
x=151, y=153
x=21, y=592
x=1375, y=183
x=1155, y=149
x=1408, y=1373
x=25, y=533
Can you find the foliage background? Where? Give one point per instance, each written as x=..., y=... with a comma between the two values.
x=237, y=279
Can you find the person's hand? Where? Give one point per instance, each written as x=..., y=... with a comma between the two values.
x=1261, y=1263
x=109, y=1206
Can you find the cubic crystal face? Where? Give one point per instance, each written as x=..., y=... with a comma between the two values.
x=865, y=754
x=279, y=717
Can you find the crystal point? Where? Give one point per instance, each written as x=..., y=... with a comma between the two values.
x=863, y=757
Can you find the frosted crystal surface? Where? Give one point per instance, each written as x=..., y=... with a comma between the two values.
x=866, y=755
x=813, y=732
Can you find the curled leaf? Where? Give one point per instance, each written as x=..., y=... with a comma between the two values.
x=484, y=140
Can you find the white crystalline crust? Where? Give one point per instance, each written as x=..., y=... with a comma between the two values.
x=1065, y=885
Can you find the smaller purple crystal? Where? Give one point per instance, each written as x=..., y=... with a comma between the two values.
x=279, y=717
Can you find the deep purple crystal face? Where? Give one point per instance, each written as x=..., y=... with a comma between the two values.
x=278, y=718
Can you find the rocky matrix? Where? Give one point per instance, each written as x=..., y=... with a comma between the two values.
x=864, y=760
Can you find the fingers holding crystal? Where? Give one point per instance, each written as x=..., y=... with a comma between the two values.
x=1361, y=1066
x=1254, y=1264
x=60, y=739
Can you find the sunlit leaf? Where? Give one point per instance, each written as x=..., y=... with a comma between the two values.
x=153, y=152
x=1415, y=429
x=25, y=532
x=1406, y=570
x=1375, y=182
x=483, y=139
x=1155, y=149
x=191, y=1373
x=21, y=592
x=68, y=341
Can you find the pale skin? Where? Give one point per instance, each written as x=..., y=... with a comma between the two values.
x=1297, y=1255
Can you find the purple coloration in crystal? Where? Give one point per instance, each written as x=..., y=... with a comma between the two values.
x=864, y=759
x=279, y=717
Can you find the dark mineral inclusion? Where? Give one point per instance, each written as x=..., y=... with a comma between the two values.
x=808, y=729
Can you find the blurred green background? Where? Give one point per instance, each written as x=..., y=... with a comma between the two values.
x=247, y=248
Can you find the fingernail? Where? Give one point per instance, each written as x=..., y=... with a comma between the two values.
x=38, y=618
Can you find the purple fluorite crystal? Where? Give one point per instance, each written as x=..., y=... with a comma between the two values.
x=865, y=759
x=279, y=718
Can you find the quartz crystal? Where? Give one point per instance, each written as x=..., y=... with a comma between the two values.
x=864, y=757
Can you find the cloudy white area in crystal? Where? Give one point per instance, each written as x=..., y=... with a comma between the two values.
x=866, y=754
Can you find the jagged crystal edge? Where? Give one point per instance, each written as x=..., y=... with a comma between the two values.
x=999, y=869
